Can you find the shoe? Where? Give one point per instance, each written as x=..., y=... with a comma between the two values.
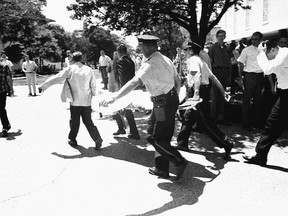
x=120, y=131
x=255, y=160
x=228, y=149
x=180, y=169
x=35, y=95
x=134, y=136
x=159, y=173
x=72, y=143
x=29, y=95
x=5, y=131
x=182, y=148
x=98, y=144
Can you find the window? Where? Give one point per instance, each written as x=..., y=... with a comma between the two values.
x=265, y=11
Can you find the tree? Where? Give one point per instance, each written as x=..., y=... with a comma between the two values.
x=20, y=18
x=197, y=17
x=171, y=37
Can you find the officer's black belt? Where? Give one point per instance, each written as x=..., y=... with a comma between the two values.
x=163, y=96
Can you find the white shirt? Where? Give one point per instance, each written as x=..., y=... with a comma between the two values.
x=278, y=66
x=248, y=57
x=195, y=63
x=82, y=81
x=8, y=63
x=29, y=66
x=158, y=74
x=104, y=60
x=67, y=62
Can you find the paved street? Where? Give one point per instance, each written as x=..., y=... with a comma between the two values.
x=41, y=175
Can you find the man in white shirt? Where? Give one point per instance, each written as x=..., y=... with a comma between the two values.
x=273, y=59
x=29, y=67
x=68, y=58
x=83, y=87
x=104, y=61
x=253, y=82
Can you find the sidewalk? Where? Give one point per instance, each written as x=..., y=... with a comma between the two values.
x=42, y=175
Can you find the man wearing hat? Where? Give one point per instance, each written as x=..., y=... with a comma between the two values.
x=160, y=77
x=198, y=78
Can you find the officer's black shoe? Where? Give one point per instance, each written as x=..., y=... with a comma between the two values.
x=134, y=136
x=158, y=172
x=180, y=169
x=98, y=143
x=120, y=131
x=228, y=148
x=72, y=143
x=255, y=160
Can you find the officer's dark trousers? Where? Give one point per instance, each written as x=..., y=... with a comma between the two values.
x=253, y=86
x=130, y=119
x=85, y=113
x=275, y=125
x=202, y=116
x=163, y=133
x=3, y=113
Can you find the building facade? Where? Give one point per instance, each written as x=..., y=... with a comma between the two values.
x=266, y=16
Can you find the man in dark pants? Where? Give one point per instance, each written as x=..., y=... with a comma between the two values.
x=83, y=86
x=125, y=72
x=253, y=82
x=278, y=118
x=4, y=89
x=200, y=75
x=161, y=79
x=220, y=57
x=104, y=61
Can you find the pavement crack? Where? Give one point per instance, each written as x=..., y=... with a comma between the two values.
x=38, y=188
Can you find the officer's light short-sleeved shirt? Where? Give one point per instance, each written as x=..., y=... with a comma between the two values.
x=157, y=73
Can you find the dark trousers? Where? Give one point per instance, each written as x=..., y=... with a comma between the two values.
x=163, y=133
x=85, y=113
x=202, y=116
x=253, y=86
x=104, y=75
x=217, y=100
x=3, y=113
x=130, y=119
x=234, y=76
x=275, y=125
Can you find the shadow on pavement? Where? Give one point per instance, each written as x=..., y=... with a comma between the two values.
x=190, y=187
x=186, y=191
x=13, y=135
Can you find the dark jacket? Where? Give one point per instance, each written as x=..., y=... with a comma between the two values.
x=126, y=70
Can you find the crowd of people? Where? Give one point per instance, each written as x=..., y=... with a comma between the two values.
x=206, y=76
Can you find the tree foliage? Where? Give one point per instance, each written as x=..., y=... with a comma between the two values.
x=198, y=17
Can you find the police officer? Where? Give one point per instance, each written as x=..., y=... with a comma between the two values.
x=160, y=77
x=200, y=77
